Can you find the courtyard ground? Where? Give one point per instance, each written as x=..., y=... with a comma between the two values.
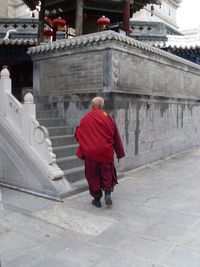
x=154, y=222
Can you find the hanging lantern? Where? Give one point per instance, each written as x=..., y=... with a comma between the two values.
x=48, y=33
x=59, y=23
x=103, y=22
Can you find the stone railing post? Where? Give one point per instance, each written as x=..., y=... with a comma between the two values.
x=5, y=87
x=28, y=112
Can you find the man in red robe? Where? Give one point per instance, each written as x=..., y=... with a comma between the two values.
x=98, y=138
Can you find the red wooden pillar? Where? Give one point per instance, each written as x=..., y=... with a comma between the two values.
x=126, y=20
x=54, y=33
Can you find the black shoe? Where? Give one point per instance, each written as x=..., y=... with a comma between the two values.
x=108, y=199
x=96, y=203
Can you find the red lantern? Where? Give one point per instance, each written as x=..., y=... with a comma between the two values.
x=48, y=33
x=59, y=23
x=103, y=22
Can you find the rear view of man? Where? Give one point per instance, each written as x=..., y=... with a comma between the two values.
x=98, y=138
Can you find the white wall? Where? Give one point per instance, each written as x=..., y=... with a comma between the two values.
x=14, y=9
x=4, y=9
x=167, y=13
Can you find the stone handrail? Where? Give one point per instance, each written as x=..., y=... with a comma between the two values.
x=22, y=118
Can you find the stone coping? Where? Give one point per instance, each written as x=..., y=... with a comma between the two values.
x=96, y=38
x=18, y=42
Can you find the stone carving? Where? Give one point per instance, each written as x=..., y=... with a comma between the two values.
x=115, y=69
x=23, y=120
x=39, y=134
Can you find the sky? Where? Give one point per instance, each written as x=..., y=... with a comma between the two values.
x=188, y=15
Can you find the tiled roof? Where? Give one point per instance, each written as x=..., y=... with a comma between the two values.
x=18, y=42
x=98, y=38
x=185, y=46
x=182, y=42
x=178, y=44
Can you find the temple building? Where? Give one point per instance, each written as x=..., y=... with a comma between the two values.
x=18, y=32
x=157, y=25
x=186, y=46
x=153, y=95
x=14, y=9
x=154, y=23
x=151, y=21
x=19, y=28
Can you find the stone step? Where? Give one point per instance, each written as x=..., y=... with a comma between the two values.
x=63, y=140
x=47, y=113
x=43, y=106
x=69, y=162
x=64, y=145
x=48, y=122
x=65, y=151
x=60, y=130
x=79, y=186
x=75, y=174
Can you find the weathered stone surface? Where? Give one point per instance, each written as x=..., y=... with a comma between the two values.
x=153, y=95
x=137, y=233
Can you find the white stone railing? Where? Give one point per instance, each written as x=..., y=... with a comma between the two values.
x=22, y=118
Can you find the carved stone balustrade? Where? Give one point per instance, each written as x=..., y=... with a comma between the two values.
x=25, y=147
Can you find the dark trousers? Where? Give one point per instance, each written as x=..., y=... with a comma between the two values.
x=100, y=176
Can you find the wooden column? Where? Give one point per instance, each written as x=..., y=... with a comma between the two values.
x=79, y=18
x=126, y=20
x=54, y=33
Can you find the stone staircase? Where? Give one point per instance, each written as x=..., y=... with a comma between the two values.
x=64, y=145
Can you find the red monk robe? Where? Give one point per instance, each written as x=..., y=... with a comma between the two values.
x=98, y=137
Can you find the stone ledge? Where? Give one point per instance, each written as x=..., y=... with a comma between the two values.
x=99, y=37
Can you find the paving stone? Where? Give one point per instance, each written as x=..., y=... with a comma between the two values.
x=178, y=218
x=192, y=239
x=167, y=231
x=146, y=248
x=174, y=194
x=13, y=244
x=143, y=212
x=52, y=263
x=182, y=257
x=64, y=249
x=159, y=202
x=74, y=219
x=187, y=206
x=26, y=203
x=30, y=227
x=120, y=259
x=114, y=237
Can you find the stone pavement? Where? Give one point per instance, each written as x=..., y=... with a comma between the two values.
x=154, y=222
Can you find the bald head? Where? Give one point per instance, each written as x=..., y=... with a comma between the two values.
x=97, y=102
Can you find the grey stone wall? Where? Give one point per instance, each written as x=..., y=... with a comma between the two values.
x=69, y=74
x=153, y=95
x=109, y=62
x=155, y=128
